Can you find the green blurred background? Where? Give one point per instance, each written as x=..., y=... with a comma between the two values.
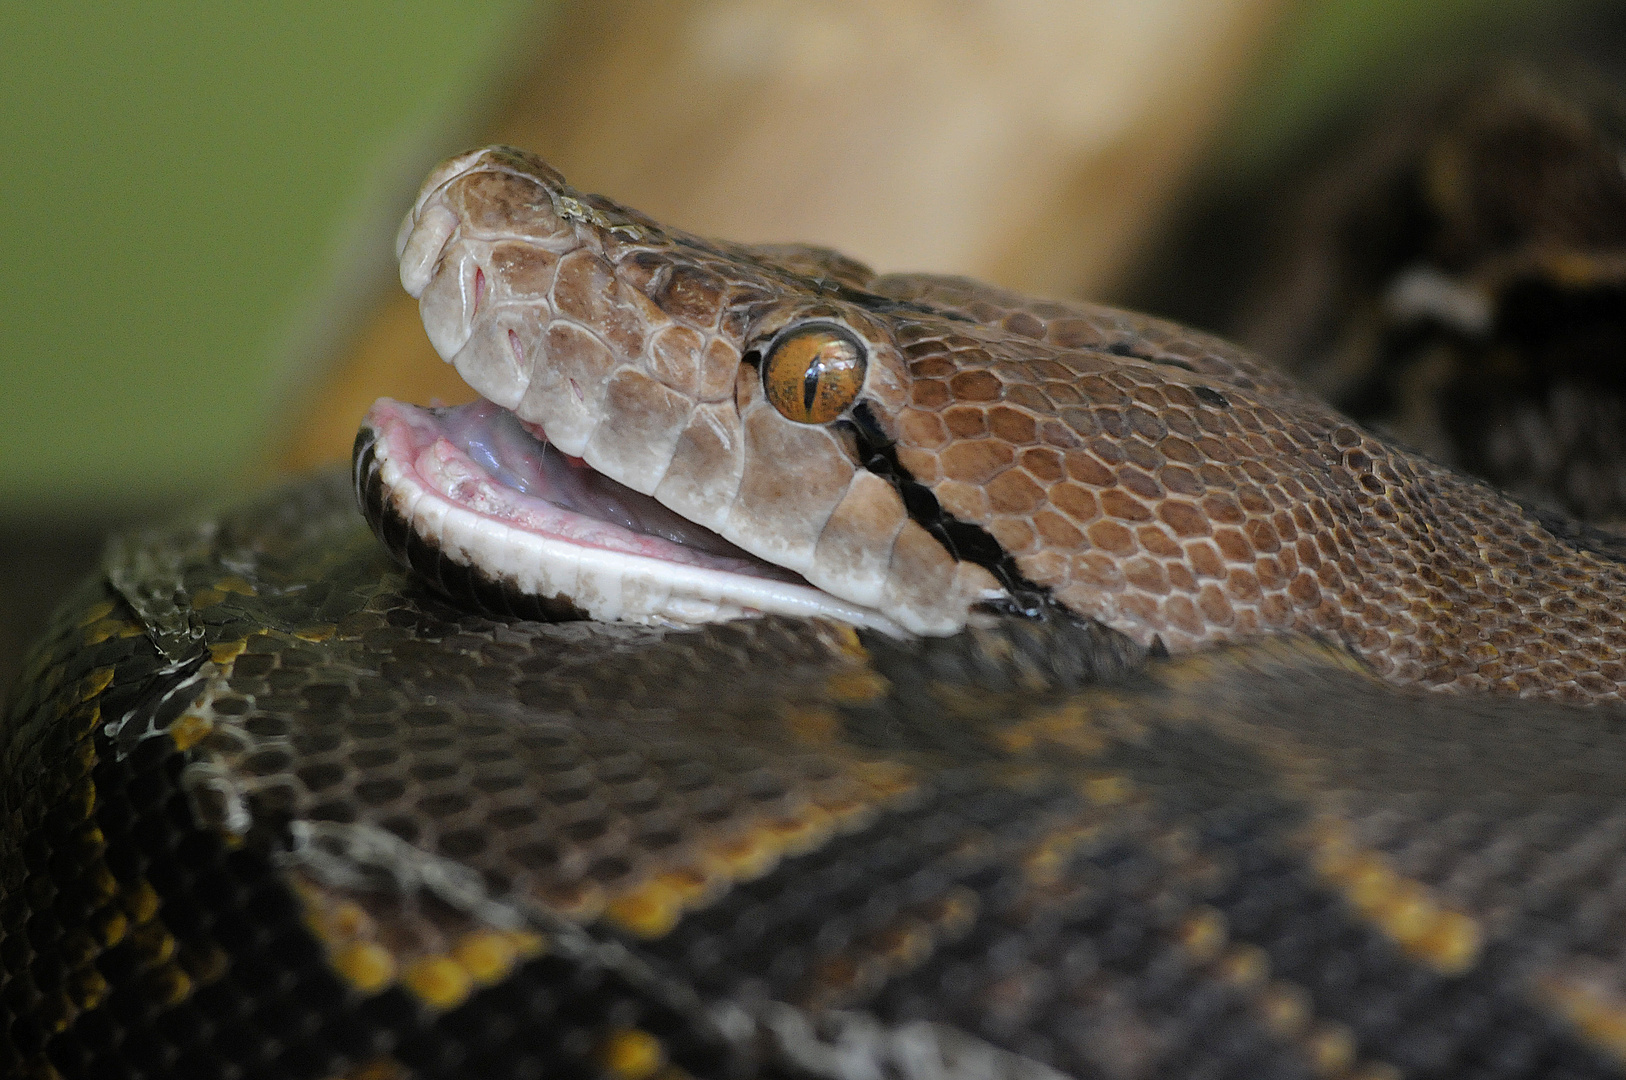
x=178, y=179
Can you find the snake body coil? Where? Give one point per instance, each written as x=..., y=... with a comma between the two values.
x=1058, y=806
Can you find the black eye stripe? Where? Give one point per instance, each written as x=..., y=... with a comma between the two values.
x=963, y=540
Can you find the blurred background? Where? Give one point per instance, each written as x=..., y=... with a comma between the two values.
x=198, y=199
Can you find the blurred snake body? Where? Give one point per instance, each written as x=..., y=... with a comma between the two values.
x=786, y=670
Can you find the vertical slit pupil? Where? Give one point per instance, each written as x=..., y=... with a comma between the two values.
x=812, y=373
x=810, y=381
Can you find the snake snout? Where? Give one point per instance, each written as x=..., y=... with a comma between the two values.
x=446, y=277
x=480, y=223
x=421, y=244
x=430, y=223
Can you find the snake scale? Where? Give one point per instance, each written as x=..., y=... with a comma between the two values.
x=1111, y=708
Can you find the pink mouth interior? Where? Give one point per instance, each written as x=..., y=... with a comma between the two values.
x=486, y=459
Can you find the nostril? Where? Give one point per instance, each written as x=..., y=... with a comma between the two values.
x=519, y=350
x=479, y=288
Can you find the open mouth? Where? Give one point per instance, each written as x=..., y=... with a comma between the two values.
x=480, y=504
x=627, y=460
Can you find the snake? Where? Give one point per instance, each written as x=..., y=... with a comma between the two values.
x=789, y=670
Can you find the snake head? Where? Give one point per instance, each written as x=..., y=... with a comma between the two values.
x=780, y=429
x=738, y=399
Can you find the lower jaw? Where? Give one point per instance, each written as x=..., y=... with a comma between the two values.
x=443, y=516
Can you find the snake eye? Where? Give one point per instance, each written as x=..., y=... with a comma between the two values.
x=812, y=373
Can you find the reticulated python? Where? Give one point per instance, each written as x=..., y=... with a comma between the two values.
x=276, y=808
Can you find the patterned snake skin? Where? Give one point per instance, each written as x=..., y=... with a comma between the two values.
x=275, y=808
x=1157, y=480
